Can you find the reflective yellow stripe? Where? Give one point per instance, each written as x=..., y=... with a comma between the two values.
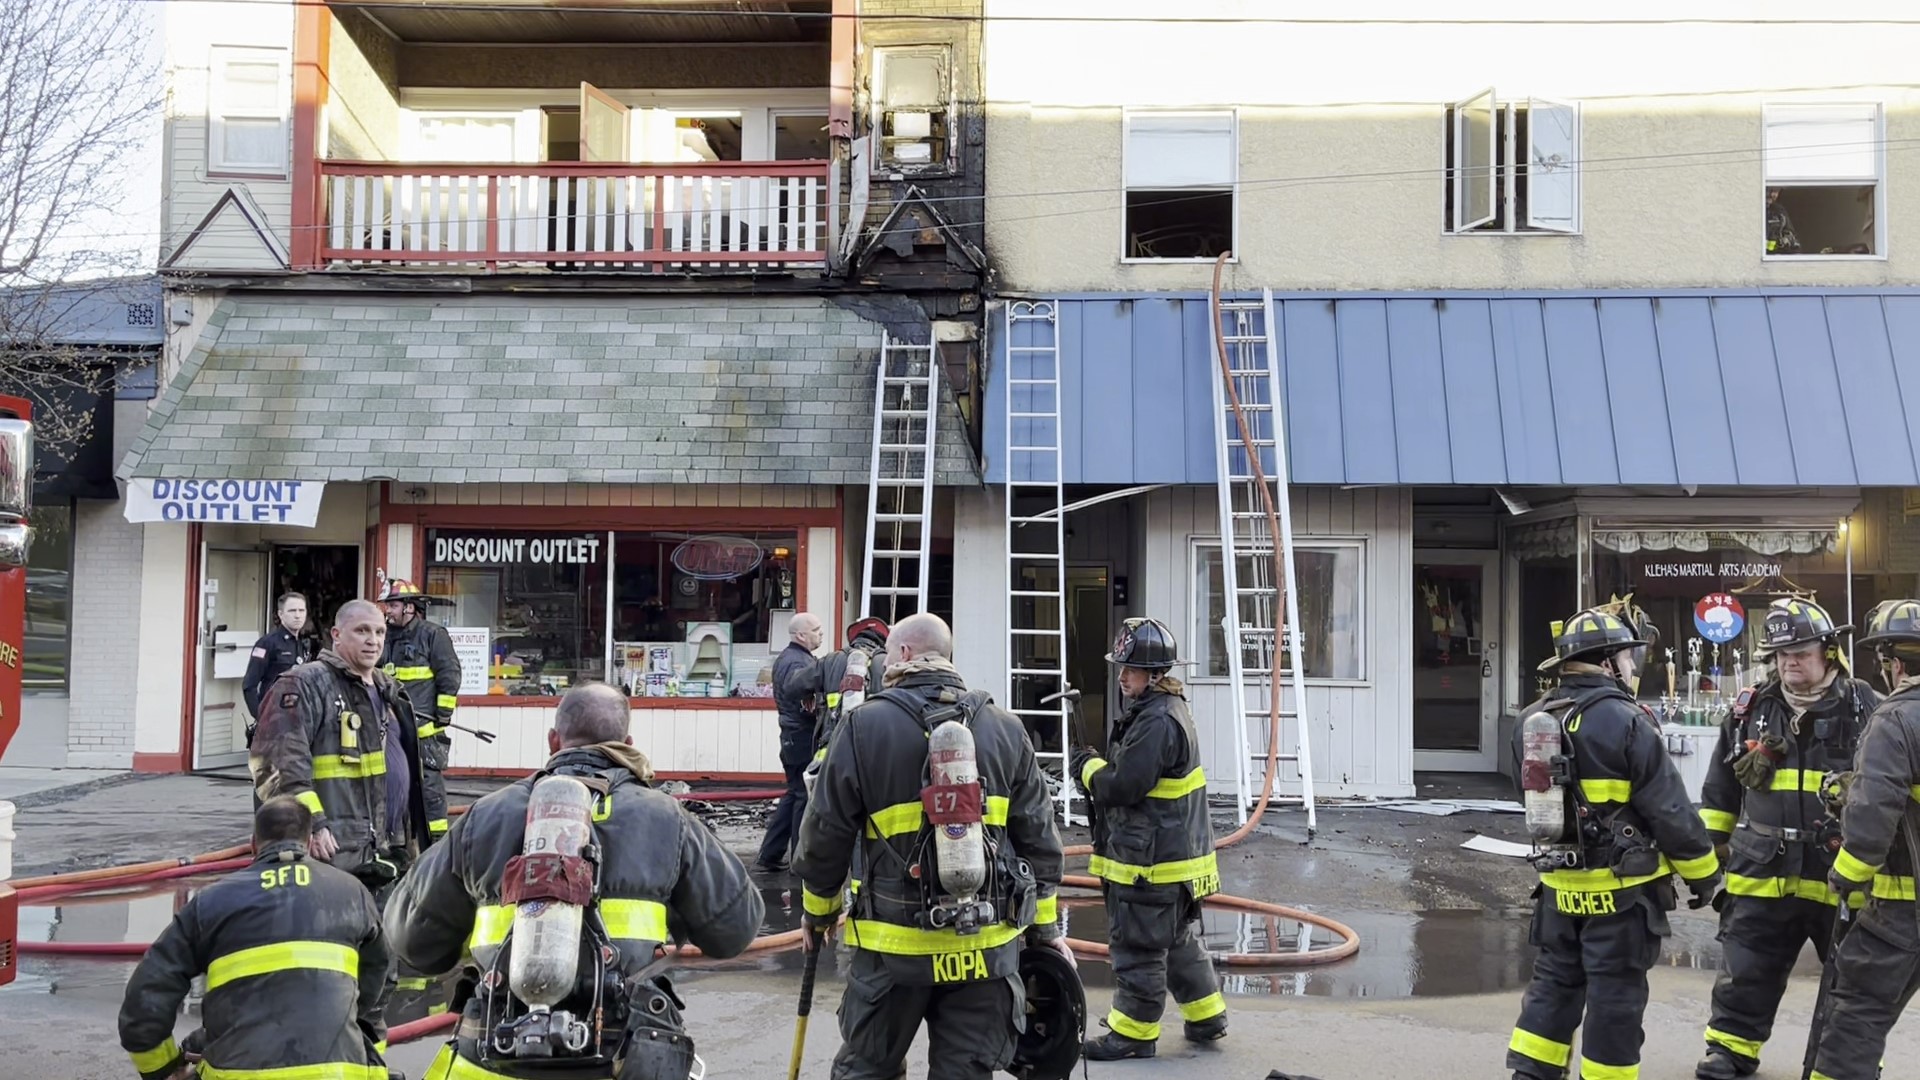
x=1593, y=1070
x=1718, y=820
x=1744, y=1047
x=380, y=1047
x=820, y=905
x=1175, y=788
x=447, y=701
x=1122, y=1024
x=331, y=1070
x=1777, y=888
x=639, y=920
x=287, y=956
x=447, y=1065
x=1556, y=1054
x=157, y=1058
x=1047, y=910
x=1205, y=1009
x=428, y=730
x=411, y=984
x=1888, y=887
x=1695, y=869
x=331, y=767
x=1797, y=780
x=1606, y=790
x=411, y=674
x=437, y=825
x=1094, y=765
x=1598, y=880
x=906, y=817
x=1204, y=870
x=1851, y=868
x=833, y=700
x=884, y=937
x=310, y=800
x=1915, y=792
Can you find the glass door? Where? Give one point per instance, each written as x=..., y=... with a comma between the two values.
x=1456, y=687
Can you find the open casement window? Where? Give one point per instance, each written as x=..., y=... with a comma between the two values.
x=248, y=95
x=1825, y=170
x=603, y=126
x=1181, y=172
x=913, y=110
x=1513, y=167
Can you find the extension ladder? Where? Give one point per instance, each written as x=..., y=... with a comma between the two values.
x=906, y=398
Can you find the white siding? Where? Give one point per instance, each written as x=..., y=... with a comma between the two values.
x=691, y=740
x=980, y=604
x=163, y=597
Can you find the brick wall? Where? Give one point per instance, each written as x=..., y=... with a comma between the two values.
x=107, y=554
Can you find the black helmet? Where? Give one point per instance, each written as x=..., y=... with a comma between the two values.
x=1145, y=643
x=1893, y=622
x=1792, y=621
x=1056, y=1017
x=1596, y=633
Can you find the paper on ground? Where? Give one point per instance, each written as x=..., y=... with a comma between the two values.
x=1493, y=846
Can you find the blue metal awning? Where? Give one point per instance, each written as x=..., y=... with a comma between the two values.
x=1724, y=387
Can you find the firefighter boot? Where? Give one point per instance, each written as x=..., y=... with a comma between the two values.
x=1116, y=1047
x=1719, y=1064
x=1212, y=1029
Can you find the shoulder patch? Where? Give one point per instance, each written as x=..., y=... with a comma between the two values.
x=288, y=701
x=259, y=654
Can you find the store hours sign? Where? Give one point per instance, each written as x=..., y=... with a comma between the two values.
x=454, y=549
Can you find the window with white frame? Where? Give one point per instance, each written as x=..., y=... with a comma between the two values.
x=1512, y=167
x=1825, y=179
x=1331, y=608
x=913, y=110
x=1181, y=173
x=247, y=97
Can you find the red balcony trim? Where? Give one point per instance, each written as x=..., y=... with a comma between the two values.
x=312, y=29
x=768, y=169
x=493, y=255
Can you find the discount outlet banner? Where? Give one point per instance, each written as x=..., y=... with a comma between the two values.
x=240, y=502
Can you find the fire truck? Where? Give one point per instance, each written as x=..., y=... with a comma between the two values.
x=16, y=498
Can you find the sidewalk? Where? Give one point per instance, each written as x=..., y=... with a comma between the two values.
x=19, y=781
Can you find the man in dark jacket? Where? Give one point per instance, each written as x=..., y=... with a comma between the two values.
x=1605, y=882
x=1762, y=802
x=793, y=671
x=420, y=657
x=1153, y=849
x=280, y=651
x=843, y=679
x=921, y=953
x=1876, y=966
x=338, y=735
x=295, y=963
x=662, y=876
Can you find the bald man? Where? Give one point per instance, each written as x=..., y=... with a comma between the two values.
x=792, y=678
x=338, y=735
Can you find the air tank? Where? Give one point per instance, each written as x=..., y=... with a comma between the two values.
x=1546, y=801
x=958, y=845
x=545, y=955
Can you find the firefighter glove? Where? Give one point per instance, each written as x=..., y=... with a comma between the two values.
x=1755, y=768
x=1834, y=787
x=1078, y=762
x=817, y=928
x=1844, y=887
x=1705, y=890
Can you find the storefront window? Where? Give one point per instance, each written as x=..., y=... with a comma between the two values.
x=1546, y=576
x=540, y=597
x=49, y=596
x=697, y=614
x=1330, y=607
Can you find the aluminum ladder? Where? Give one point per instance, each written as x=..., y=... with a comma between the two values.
x=906, y=397
x=1250, y=625
x=1036, y=538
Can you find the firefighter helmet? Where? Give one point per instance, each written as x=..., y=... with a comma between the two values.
x=1893, y=622
x=871, y=623
x=403, y=590
x=1792, y=621
x=1056, y=1016
x=1592, y=635
x=1147, y=644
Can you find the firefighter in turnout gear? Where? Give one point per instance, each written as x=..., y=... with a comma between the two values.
x=1762, y=808
x=295, y=964
x=420, y=656
x=650, y=873
x=956, y=872
x=1153, y=851
x=1611, y=822
x=842, y=680
x=1876, y=965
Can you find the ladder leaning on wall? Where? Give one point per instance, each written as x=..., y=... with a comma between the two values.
x=906, y=398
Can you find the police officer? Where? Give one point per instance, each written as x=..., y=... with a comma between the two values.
x=420, y=655
x=1762, y=801
x=1876, y=965
x=281, y=650
x=662, y=876
x=338, y=735
x=1153, y=848
x=911, y=960
x=295, y=965
x=1598, y=922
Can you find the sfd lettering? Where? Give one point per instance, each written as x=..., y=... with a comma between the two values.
x=1588, y=903
x=277, y=877
x=960, y=967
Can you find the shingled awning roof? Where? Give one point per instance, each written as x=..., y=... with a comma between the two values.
x=761, y=390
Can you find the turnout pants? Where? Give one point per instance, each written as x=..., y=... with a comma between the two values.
x=1155, y=948
x=1761, y=939
x=1593, y=966
x=783, y=829
x=433, y=785
x=1876, y=970
x=971, y=1027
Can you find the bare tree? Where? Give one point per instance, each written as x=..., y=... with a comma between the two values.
x=77, y=99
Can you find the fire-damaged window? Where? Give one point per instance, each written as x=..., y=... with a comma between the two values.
x=1824, y=165
x=1181, y=171
x=913, y=110
x=1512, y=167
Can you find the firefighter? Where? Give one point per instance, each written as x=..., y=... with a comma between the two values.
x=660, y=875
x=922, y=952
x=338, y=735
x=844, y=678
x=1153, y=849
x=1876, y=965
x=420, y=656
x=295, y=965
x=1605, y=883
x=281, y=650
x=1762, y=808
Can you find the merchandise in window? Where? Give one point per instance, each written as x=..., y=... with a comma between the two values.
x=1330, y=610
x=700, y=614
x=532, y=604
x=44, y=656
x=1824, y=164
x=1181, y=169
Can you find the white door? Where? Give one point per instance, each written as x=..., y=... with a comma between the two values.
x=233, y=615
x=1456, y=660
x=603, y=126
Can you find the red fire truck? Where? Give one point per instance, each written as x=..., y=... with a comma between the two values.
x=16, y=497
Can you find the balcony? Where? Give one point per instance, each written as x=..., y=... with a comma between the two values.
x=566, y=215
